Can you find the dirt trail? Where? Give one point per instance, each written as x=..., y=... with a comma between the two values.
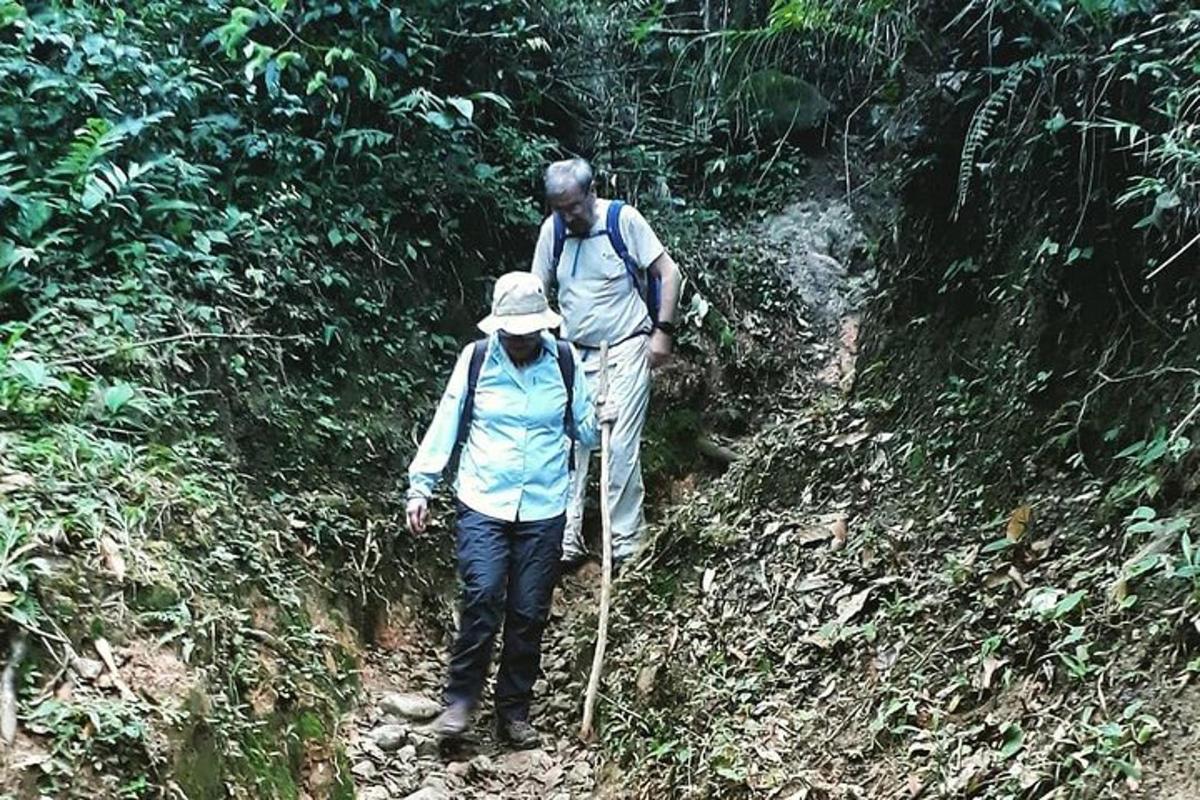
x=392, y=754
x=817, y=244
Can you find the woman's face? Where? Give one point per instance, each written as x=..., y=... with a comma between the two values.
x=521, y=349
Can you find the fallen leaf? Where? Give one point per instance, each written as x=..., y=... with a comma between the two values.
x=645, y=680
x=767, y=754
x=885, y=657
x=1017, y=577
x=1018, y=523
x=990, y=665
x=812, y=583
x=839, y=533
x=114, y=562
x=850, y=607
x=849, y=439
x=706, y=583
x=812, y=535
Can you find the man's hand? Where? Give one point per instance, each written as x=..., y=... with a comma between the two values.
x=660, y=349
x=606, y=412
x=418, y=515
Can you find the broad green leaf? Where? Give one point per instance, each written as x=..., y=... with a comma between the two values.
x=439, y=119
x=116, y=397
x=1068, y=603
x=10, y=12
x=317, y=82
x=997, y=546
x=494, y=98
x=287, y=58
x=463, y=106
x=1014, y=740
x=369, y=82
x=34, y=373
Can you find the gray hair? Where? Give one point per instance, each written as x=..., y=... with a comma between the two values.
x=561, y=174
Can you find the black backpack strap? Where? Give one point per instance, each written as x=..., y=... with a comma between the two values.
x=467, y=412
x=566, y=365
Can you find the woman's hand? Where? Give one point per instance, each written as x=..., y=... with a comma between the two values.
x=418, y=515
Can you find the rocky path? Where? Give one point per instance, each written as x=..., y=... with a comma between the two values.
x=393, y=755
x=818, y=244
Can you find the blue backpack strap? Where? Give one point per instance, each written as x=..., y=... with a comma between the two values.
x=566, y=365
x=467, y=412
x=653, y=293
x=612, y=226
x=560, y=240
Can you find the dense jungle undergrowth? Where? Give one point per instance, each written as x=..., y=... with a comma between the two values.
x=240, y=245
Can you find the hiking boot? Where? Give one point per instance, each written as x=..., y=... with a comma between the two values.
x=453, y=722
x=570, y=564
x=518, y=733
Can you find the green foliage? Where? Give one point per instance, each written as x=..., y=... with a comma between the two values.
x=237, y=245
x=985, y=118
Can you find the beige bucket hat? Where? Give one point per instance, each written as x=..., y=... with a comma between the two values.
x=519, y=306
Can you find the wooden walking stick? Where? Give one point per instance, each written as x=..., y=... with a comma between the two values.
x=589, y=704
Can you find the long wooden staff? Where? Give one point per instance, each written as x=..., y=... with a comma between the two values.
x=589, y=704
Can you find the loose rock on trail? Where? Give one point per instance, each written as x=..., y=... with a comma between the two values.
x=393, y=754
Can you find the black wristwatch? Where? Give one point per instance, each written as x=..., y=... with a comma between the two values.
x=665, y=326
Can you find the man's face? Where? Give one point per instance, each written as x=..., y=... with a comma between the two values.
x=577, y=207
x=522, y=349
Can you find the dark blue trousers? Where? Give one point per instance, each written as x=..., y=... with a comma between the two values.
x=508, y=571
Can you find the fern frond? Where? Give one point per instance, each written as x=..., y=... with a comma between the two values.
x=111, y=185
x=96, y=139
x=989, y=112
x=10, y=190
x=982, y=123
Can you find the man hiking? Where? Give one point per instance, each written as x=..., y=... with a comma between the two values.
x=616, y=284
x=504, y=433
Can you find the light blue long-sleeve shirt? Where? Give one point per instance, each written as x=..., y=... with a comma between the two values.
x=514, y=462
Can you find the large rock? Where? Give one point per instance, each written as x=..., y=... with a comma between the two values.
x=410, y=706
x=524, y=762
x=482, y=766
x=429, y=793
x=779, y=102
x=426, y=743
x=390, y=738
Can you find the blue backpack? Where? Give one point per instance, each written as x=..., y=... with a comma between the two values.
x=566, y=365
x=612, y=228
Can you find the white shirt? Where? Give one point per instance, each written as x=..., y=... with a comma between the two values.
x=598, y=301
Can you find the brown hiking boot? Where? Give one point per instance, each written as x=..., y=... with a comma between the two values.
x=518, y=733
x=453, y=722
